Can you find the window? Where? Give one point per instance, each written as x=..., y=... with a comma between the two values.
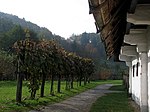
x=133, y=69
x=137, y=68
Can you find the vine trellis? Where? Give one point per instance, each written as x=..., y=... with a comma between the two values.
x=40, y=59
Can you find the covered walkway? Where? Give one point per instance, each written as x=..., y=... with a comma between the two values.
x=124, y=26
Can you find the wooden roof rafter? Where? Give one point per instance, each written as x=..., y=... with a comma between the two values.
x=115, y=43
x=111, y=31
x=97, y=7
x=109, y=18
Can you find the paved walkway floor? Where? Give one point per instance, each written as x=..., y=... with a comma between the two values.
x=79, y=103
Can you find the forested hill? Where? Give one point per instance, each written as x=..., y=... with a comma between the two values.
x=85, y=45
x=7, y=21
x=90, y=45
x=12, y=29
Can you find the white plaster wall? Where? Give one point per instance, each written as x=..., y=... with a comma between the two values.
x=149, y=80
x=136, y=82
x=148, y=38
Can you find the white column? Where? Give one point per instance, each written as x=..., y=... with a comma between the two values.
x=144, y=82
x=148, y=80
x=148, y=42
x=129, y=64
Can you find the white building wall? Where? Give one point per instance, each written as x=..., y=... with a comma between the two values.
x=149, y=81
x=136, y=82
x=148, y=40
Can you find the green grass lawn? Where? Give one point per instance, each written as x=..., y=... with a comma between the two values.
x=113, y=102
x=8, y=91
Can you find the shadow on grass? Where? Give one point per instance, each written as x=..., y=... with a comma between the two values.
x=7, y=83
x=113, y=102
x=117, y=88
x=28, y=104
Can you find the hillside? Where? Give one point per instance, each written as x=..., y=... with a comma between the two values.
x=85, y=45
x=90, y=45
x=10, y=25
x=11, y=20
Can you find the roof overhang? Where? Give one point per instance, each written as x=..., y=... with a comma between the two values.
x=111, y=21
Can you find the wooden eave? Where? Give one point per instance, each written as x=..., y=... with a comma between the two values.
x=110, y=17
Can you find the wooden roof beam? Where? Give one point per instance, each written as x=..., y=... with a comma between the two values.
x=132, y=6
x=118, y=11
x=114, y=29
x=97, y=7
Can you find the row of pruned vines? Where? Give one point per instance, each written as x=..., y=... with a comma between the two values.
x=38, y=61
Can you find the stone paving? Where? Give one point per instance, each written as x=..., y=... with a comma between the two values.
x=79, y=103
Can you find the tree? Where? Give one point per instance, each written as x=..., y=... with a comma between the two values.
x=20, y=56
x=28, y=59
x=38, y=59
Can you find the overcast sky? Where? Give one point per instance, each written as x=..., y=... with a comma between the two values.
x=62, y=17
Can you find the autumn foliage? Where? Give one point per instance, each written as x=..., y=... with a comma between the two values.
x=40, y=59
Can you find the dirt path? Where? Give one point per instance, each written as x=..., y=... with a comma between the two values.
x=78, y=103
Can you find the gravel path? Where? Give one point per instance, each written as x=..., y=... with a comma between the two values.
x=78, y=103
